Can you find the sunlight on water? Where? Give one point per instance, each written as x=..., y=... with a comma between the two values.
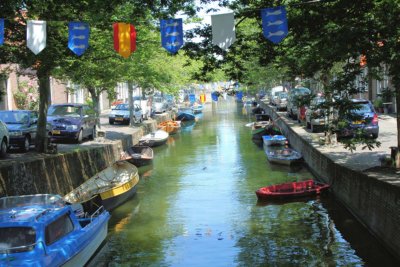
x=196, y=206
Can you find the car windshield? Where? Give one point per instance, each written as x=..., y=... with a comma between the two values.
x=17, y=239
x=282, y=95
x=158, y=99
x=122, y=107
x=361, y=108
x=10, y=117
x=69, y=111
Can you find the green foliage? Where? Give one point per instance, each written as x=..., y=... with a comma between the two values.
x=27, y=96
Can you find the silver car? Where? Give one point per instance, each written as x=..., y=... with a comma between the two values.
x=120, y=114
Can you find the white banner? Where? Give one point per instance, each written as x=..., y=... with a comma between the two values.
x=36, y=35
x=223, y=30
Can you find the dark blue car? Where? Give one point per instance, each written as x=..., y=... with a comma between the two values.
x=22, y=126
x=72, y=121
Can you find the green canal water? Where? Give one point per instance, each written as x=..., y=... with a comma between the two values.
x=196, y=206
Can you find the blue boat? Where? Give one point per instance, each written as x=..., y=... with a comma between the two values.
x=185, y=114
x=282, y=155
x=44, y=230
x=272, y=140
x=197, y=108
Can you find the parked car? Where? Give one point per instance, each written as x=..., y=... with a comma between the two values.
x=22, y=127
x=281, y=101
x=72, y=121
x=361, y=116
x=145, y=105
x=315, y=115
x=274, y=93
x=5, y=139
x=295, y=96
x=159, y=105
x=121, y=114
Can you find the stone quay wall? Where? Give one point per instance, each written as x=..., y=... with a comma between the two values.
x=62, y=172
x=374, y=202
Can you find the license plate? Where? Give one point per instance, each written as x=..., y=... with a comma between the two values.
x=55, y=132
x=357, y=122
x=119, y=119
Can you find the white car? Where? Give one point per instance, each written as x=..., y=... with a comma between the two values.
x=121, y=114
x=5, y=139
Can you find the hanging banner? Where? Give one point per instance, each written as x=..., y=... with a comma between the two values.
x=223, y=30
x=36, y=35
x=124, y=39
x=1, y=31
x=171, y=34
x=274, y=23
x=78, y=38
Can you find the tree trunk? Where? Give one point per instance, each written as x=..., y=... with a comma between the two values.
x=130, y=101
x=96, y=105
x=44, y=92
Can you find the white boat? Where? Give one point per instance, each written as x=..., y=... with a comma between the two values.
x=153, y=139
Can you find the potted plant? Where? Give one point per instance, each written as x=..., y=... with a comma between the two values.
x=378, y=104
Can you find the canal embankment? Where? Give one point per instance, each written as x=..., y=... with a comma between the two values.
x=37, y=173
x=373, y=199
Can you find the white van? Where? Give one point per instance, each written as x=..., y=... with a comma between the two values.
x=274, y=93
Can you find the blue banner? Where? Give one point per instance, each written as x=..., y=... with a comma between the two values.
x=171, y=34
x=1, y=31
x=274, y=23
x=78, y=39
x=192, y=98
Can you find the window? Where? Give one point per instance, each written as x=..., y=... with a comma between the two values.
x=58, y=229
x=20, y=238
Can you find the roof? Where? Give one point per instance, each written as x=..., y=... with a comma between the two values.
x=29, y=214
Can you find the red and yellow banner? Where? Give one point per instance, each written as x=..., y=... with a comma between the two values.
x=124, y=39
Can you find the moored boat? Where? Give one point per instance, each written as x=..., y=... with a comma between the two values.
x=43, y=230
x=291, y=190
x=282, y=155
x=171, y=127
x=138, y=155
x=272, y=140
x=153, y=139
x=111, y=187
x=197, y=108
x=185, y=114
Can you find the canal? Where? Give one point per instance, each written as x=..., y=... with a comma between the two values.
x=196, y=206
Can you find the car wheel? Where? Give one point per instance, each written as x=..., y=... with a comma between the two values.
x=111, y=122
x=27, y=142
x=3, y=148
x=308, y=125
x=313, y=130
x=93, y=134
x=374, y=136
x=80, y=137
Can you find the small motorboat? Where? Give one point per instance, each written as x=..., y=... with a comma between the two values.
x=291, y=190
x=138, y=155
x=43, y=230
x=171, y=127
x=110, y=188
x=197, y=108
x=282, y=155
x=153, y=139
x=274, y=140
x=185, y=114
x=261, y=128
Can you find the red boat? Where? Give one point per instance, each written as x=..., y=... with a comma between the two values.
x=291, y=190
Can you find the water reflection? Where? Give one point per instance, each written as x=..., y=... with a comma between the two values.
x=198, y=207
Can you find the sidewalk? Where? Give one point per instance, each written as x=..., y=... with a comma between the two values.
x=360, y=159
